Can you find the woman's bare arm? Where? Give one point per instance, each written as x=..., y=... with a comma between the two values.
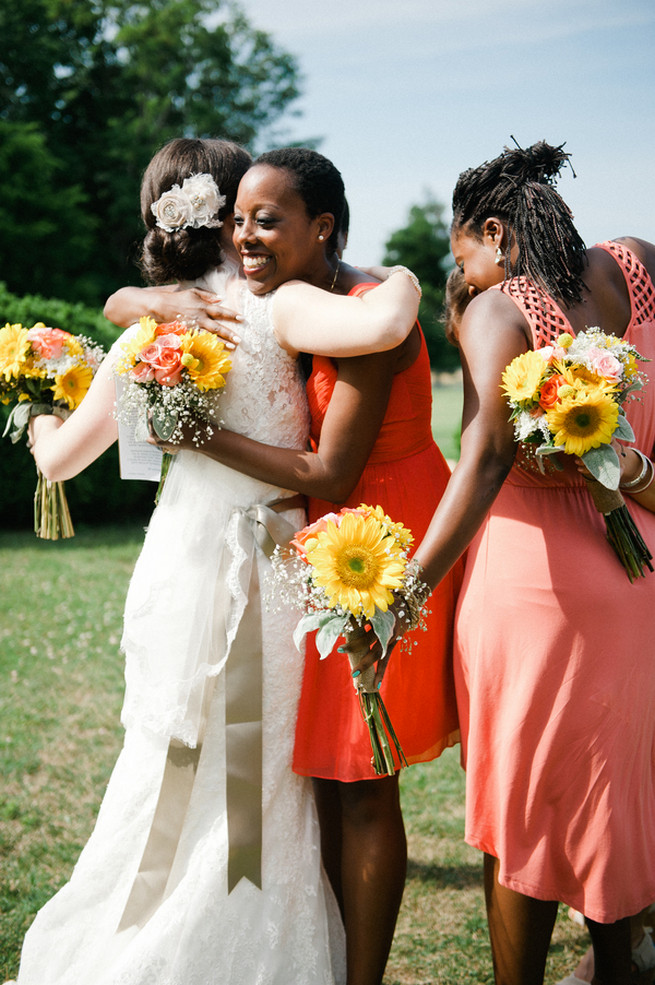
x=308, y=319
x=350, y=429
x=492, y=333
x=168, y=303
x=62, y=449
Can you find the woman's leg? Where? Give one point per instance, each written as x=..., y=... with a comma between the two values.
x=328, y=806
x=373, y=863
x=520, y=929
x=611, y=943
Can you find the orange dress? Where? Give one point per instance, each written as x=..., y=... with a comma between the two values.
x=406, y=474
x=554, y=669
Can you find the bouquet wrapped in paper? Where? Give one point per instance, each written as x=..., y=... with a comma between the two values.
x=569, y=397
x=173, y=375
x=344, y=571
x=45, y=371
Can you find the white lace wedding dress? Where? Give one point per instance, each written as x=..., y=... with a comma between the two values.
x=124, y=919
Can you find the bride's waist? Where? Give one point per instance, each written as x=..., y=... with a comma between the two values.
x=196, y=477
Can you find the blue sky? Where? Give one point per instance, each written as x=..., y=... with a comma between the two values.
x=408, y=93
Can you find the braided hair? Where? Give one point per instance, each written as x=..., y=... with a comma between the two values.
x=317, y=181
x=187, y=254
x=517, y=187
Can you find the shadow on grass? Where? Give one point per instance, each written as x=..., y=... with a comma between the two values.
x=459, y=876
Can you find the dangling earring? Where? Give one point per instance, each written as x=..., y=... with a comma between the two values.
x=500, y=256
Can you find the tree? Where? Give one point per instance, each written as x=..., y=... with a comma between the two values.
x=423, y=245
x=92, y=88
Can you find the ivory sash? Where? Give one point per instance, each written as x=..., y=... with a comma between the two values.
x=259, y=528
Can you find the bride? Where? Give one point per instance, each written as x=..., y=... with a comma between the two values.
x=204, y=866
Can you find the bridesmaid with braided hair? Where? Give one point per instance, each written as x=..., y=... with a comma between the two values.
x=553, y=649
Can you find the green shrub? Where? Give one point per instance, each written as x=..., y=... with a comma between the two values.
x=98, y=495
x=71, y=317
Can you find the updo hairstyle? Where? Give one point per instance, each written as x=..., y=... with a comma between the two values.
x=316, y=180
x=517, y=187
x=186, y=254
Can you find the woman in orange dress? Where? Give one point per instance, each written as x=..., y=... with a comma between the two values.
x=553, y=662
x=373, y=443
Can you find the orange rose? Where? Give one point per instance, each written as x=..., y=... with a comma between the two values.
x=311, y=531
x=549, y=393
x=171, y=328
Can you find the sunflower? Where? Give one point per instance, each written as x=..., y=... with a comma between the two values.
x=131, y=349
x=205, y=359
x=398, y=531
x=522, y=377
x=356, y=565
x=75, y=347
x=584, y=420
x=14, y=346
x=72, y=385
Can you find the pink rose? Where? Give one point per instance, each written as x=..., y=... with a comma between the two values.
x=142, y=373
x=48, y=342
x=603, y=363
x=164, y=356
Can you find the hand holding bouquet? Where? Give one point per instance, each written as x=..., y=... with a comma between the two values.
x=46, y=371
x=345, y=571
x=174, y=374
x=568, y=398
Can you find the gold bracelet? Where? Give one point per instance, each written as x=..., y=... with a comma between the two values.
x=399, y=269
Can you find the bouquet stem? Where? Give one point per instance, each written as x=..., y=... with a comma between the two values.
x=52, y=518
x=375, y=715
x=622, y=533
x=166, y=460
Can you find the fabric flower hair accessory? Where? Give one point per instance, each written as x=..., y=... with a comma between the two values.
x=195, y=203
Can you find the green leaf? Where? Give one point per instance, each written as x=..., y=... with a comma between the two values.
x=330, y=627
x=603, y=463
x=383, y=623
x=623, y=429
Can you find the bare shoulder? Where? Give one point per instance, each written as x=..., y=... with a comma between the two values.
x=642, y=249
x=492, y=315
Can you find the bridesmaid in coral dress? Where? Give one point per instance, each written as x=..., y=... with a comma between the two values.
x=418, y=693
x=553, y=643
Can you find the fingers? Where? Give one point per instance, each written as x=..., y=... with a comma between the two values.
x=213, y=319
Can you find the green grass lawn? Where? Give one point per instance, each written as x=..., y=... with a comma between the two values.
x=61, y=683
x=447, y=415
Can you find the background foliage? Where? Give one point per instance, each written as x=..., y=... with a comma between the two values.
x=89, y=89
x=423, y=245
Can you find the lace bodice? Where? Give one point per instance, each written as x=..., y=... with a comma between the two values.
x=264, y=397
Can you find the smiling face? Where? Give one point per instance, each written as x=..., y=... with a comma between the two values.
x=477, y=257
x=274, y=234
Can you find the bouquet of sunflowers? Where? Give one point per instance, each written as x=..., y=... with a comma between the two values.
x=174, y=374
x=343, y=571
x=568, y=398
x=46, y=371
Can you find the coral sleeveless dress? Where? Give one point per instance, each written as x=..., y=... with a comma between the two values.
x=554, y=669
x=406, y=474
